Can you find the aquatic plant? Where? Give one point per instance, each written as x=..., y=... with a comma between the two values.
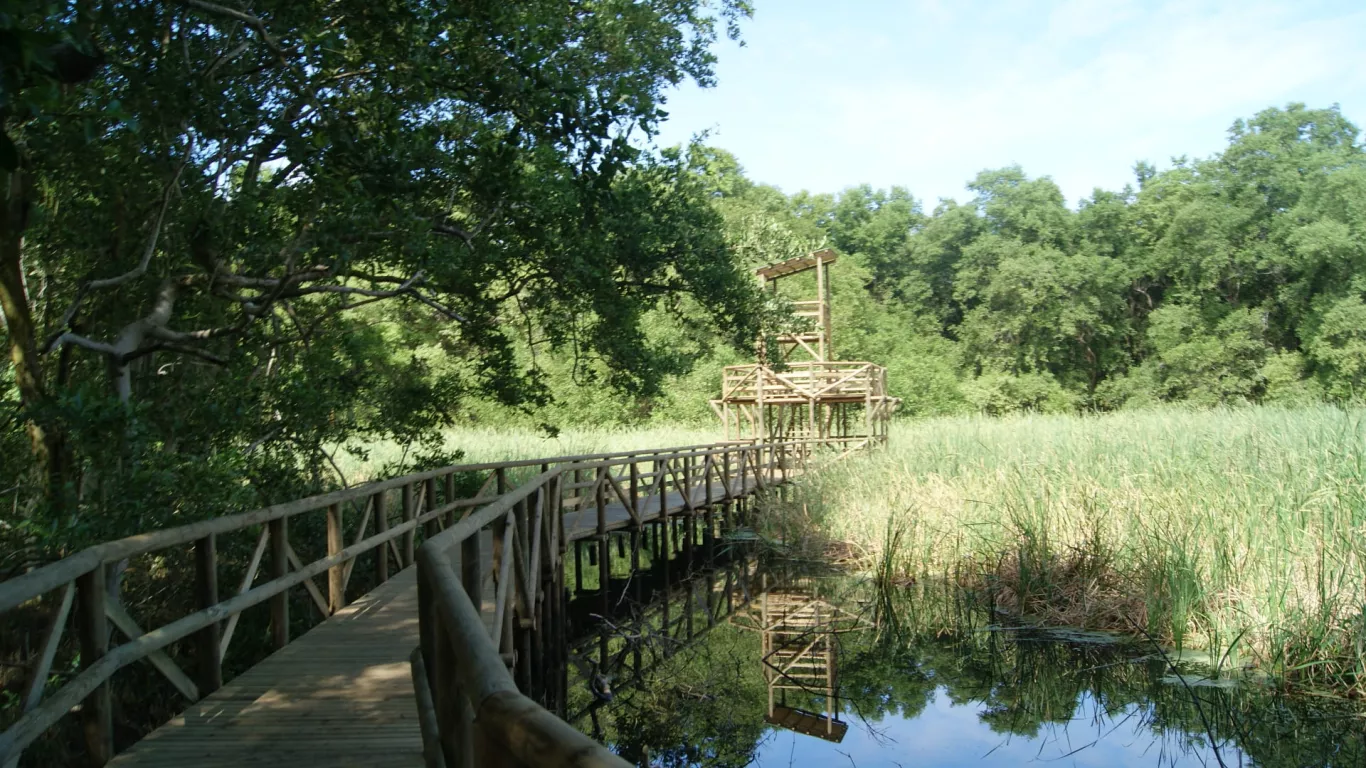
x=1242, y=531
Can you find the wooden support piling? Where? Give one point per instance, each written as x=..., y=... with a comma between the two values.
x=409, y=514
x=208, y=653
x=578, y=566
x=380, y=503
x=432, y=526
x=93, y=635
x=336, y=575
x=279, y=568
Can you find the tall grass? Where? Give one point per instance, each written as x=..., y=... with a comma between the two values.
x=1239, y=531
x=481, y=445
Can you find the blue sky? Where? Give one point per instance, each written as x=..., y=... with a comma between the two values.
x=926, y=93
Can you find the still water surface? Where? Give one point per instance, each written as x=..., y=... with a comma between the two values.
x=811, y=672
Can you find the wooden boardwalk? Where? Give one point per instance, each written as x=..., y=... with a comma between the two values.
x=341, y=694
x=584, y=523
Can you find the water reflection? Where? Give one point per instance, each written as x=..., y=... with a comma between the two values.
x=750, y=664
x=798, y=652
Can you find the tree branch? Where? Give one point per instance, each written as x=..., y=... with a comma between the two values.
x=81, y=341
x=166, y=346
x=445, y=311
x=141, y=268
x=447, y=227
x=138, y=271
x=225, y=58
x=246, y=18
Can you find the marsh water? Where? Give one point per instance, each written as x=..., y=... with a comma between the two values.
x=752, y=662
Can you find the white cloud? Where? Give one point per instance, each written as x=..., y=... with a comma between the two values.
x=1082, y=19
x=1078, y=90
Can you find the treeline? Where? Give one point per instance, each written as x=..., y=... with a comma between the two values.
x=1233, y=279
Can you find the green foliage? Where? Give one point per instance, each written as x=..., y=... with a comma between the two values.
x=1286, y=382
x=997, y=394
x=1338, y=345
x=1205, y=363
x=1225, y=280
x=232, y=239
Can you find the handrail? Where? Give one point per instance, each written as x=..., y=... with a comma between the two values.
x=428, y=505
x=20, y=589
x=468, y=685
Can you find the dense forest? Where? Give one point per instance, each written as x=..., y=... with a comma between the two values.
x=1232, y=279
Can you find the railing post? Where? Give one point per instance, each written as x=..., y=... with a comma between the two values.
x=523, y=622
x=504, y=550
x=279, y=568
x=635, y=493
x=604, y=550
x=578, y=566
x=430, y=529
x=707, y=465
x=381, y=525
x=725, y=472
x=471, y=569
x=93, y=627
x=207, y=651
x=689, y=470
x=452, y=709
x=409, y=515
x=662, y=481
x=336, y=575
x=450, y=497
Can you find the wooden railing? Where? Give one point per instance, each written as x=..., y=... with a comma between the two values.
x=803, y=381
x=391, y=518
x=483, y=693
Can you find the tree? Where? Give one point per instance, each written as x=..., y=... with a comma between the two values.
x=208, y=226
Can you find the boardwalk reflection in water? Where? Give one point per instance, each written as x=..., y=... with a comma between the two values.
x=785, y=671
x=798, y=654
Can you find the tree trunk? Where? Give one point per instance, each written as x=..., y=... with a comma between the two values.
x=46, y=440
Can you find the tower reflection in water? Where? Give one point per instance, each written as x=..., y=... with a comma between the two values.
x=799, y=653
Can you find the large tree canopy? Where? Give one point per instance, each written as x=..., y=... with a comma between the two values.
x=224, y=222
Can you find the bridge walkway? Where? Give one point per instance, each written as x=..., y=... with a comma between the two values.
x=341, y=694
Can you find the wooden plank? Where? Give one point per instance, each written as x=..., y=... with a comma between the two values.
x=42, y=666
x=339, y=695
x=313, y=591
x=247, y=578
x=125, y=623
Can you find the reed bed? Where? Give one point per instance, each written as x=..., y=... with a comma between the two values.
x=1241, y=532
x=480, y=445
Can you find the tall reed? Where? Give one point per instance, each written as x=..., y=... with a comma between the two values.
x=1240, y=531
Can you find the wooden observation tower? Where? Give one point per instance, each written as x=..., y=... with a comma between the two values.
x=805, y=393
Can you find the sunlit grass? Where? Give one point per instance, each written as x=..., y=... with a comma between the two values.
x=487, y=444
x=1238, y=531
x=1242, y=531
